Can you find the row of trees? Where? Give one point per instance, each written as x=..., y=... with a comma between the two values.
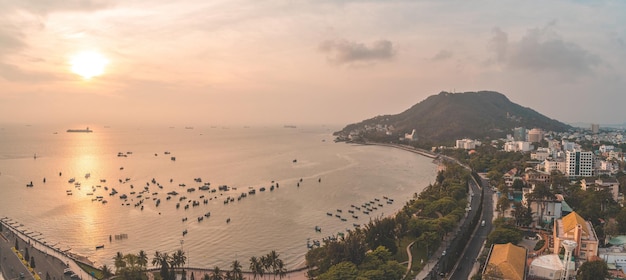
x=133, y=266
x=427, y=218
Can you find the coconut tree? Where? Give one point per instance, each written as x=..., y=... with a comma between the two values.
x=265, y=264
x=236, y=273
x=541, y=194
x=142, y=259
x=256, y=267
x=132, y=265
x=272, y=259
x=162, y=261
x=216, y=274
x=179, y=259
x=119, y=262
x=106, y=271
x=281, y=270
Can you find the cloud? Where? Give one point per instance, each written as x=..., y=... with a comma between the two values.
x=46, y=7
x=541, y=49
x=10, y=39
x=442, y=55
x=14, y=73
x=499, y=43
x=346, y=52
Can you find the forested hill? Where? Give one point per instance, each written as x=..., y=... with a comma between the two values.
x=448, y=116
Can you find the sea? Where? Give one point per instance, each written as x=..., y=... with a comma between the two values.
x=58, y=187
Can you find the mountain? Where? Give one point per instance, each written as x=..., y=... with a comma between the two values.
x=449, y=116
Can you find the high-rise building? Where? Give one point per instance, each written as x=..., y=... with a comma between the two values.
x=595, y=128
x=535, y=135
x=519, y=134
x=578, y=164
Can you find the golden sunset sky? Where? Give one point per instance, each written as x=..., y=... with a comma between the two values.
x=255, y=62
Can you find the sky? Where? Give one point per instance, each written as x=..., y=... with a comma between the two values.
x=259, y=62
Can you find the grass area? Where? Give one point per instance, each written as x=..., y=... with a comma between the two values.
x=97, y=273
x=401, y=256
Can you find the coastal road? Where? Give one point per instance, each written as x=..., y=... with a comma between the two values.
x=47, y=261
x=11, y=266
x=467, y=261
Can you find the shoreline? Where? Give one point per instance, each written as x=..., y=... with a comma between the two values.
x=296, y=273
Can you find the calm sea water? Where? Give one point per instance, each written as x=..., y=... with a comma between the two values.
x=314, y=176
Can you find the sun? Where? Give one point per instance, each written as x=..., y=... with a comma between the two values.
x=88, y=64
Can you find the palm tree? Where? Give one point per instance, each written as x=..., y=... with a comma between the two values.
x=106, y=271
x=272, y=259
x=256, y=267
x=179, y=258
x=119, y=262
x=236, y=272
x=265, y=264
x=161, y=260
x=131, y=264
x=281, y=270
x=216, y=274
x=541, y=194
x=142, y=259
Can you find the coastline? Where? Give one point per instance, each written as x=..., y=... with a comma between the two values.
x=63, y=257
x=25, y=235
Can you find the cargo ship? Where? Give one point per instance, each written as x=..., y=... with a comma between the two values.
x=80, y=130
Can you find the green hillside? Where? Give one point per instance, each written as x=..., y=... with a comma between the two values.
x=448, y=116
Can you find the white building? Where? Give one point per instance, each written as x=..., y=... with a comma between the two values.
x=411, y=137
x=548, y=267
x=535, y=135
x=578, y=164
x=569, y=146
x=615, y=255
x=554, y=165
x=551, y=209
x=518, y=146
x=540, y=154
x=606, y=148
x=467, y=144
x=609, y=184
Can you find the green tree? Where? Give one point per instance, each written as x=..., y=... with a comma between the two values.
x=541, y=194
x=142, y=259
x=178, y=259
x=106, y=271
x=504, y=235
x=235, y=271
x=593, y=270
x=216, y=274
x=162, y=261
x=523, y=215
x=503, y=204
x=26, y=254
x=256, y=267
x=119, y=262
x=343, y=271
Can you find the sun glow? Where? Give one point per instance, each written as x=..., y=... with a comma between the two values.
x=88, y=64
